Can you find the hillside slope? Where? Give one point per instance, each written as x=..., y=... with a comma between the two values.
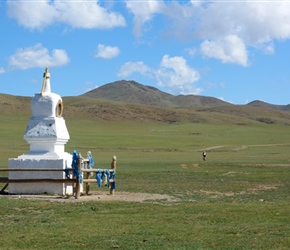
x=262, y=104
x=133, y=92
x=100, y=109
x=125, y=101
x=97, y=109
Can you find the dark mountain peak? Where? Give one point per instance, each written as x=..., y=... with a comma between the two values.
x=121, y=86
x=134, y=92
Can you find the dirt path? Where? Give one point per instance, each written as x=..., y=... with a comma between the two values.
x=100, y=196
x=244, y=146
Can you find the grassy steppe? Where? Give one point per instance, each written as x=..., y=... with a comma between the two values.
x=237, y=199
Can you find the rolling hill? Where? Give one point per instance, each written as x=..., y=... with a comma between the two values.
x=262, y=104
x=125, y=101
x=133, y=92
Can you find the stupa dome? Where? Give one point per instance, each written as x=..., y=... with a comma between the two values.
x=47, y=105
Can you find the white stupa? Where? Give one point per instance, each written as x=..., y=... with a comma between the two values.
x=47, y=135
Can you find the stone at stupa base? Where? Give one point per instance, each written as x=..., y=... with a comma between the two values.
x=43, y=187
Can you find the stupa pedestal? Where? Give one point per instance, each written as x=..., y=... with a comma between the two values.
x=47, y=135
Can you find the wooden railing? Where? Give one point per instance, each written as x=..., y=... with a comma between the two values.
x=74, y=180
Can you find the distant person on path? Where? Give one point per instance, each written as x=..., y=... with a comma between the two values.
x=204, y=155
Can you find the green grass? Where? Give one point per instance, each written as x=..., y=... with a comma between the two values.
x=237, y=199
x=192, y=225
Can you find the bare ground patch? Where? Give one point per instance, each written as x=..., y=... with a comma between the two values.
x=254, y=190
x=100, y=196
x=265, y=165
x=191, y=165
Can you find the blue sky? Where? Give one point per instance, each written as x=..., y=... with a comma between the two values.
x=238, y=51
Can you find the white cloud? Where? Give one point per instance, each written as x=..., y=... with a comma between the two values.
x=173, y=73
x=37, y=56
x=230, y=49
x=130, y=68
x=253, y=22
x=107, y=52
x=191, y=51
x=196, y=2
x=88, y=14
x=32, y=14
x=249, y=23
x=78, y=14
x=267, y=48
x=143, y=12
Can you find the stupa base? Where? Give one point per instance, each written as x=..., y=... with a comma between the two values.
x=40, y=187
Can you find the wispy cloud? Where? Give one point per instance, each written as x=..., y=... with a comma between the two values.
x=37, y=56
x=129, y=68
x=225, y=29
x=229, y=49
x=78, y=14
x=143, y=12
x=107, y=52
x=173, y=73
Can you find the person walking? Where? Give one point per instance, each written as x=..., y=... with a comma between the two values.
x=204, y=155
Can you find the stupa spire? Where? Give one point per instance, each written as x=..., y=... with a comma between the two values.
x=46, y=82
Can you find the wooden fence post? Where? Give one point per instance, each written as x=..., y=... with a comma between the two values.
x=88, y=184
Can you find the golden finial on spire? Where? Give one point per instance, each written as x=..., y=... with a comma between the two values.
x=46, y=75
